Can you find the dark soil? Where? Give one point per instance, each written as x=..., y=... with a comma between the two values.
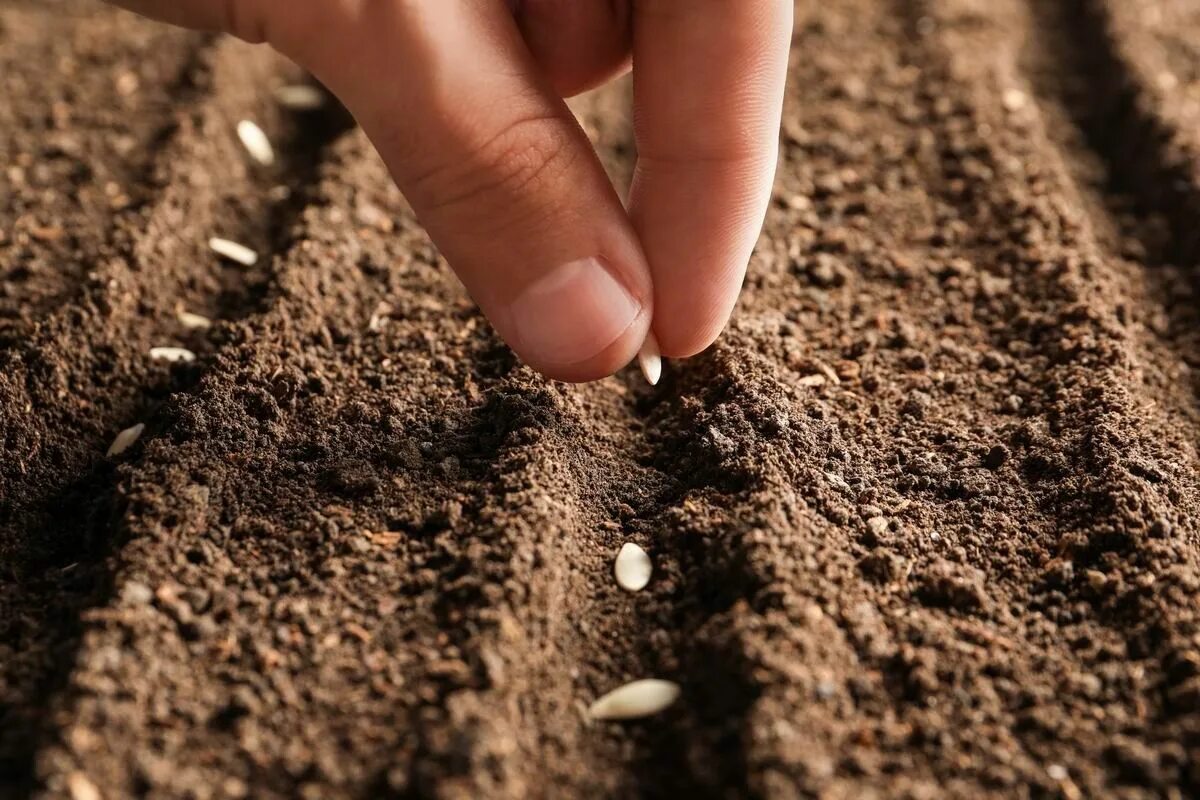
x=924, y=521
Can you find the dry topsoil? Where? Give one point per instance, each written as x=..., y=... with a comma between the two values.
x=924, y=521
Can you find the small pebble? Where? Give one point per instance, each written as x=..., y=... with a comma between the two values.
x=633, y=567
x=172, y=354
x=233, y=251
x=256, y=142
x=650, y=360
x=635, y=700
x=126, y=439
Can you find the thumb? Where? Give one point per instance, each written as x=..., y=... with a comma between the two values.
x=490, y=158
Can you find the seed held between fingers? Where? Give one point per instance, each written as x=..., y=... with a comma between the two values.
x=635, y=700
x=126, y=439
x=256, y=142
x=633, y=567
x=233, y=251
x=650, y=360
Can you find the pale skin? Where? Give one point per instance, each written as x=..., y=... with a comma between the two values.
x=464, y=101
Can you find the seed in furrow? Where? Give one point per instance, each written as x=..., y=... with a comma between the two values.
x=300, y=97
x=126, y=439
x=256, y=142
x=233, y=251
x=172, y=354
x=635, y=700
x=633, y=567
x=194, y=322
x=650, y=360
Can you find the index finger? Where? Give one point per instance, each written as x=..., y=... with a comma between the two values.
x=708, y=86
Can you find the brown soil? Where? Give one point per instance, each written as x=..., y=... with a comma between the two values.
x=924, y=521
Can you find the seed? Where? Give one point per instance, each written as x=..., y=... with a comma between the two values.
x=233, y=251
x=81, y=787
x=633, y=567
x=126, y=439
x=194, y=322
x=256, y=142
x=635, y=700
x=300, y=97
x=650, y=360
x=172, y=354
x=1014, y=99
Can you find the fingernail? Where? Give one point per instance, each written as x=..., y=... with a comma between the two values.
x=650, y=360
x=572, y=313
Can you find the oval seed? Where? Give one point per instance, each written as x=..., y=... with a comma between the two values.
x=256, y=142
x=172, y=354
x=233, y=251
x=194, y=322
x=632, y=567
x=300, y=97
x=635, y=700
x=126, y=439
x=650, y=360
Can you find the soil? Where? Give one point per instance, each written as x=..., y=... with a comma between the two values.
x=924, y=521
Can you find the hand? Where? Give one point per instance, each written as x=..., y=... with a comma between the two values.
x=463, y=98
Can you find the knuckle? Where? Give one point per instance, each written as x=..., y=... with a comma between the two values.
x=504, y=173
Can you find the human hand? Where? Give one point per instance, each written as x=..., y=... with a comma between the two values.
x=463, y=99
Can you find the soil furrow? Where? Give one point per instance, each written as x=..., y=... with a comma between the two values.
x=84, y=372
x=88, y=95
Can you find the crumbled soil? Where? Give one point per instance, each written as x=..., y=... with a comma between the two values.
x=924, y=521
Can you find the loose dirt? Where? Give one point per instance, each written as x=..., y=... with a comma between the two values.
x=923, y=523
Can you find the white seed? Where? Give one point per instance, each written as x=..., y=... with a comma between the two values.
x=300, y=97
x=81, y=787
x=126, y=439
x=635, y=700
x=650, y=360
x=194, y=322
x=633, y=567
x=172, y=354
x=233, y=251
x=256, y=142
x=1014, y=99
x=1057, y=772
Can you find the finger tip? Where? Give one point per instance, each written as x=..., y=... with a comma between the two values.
x=608, y=360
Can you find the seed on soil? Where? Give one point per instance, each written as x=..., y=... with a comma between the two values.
x=172, y=354
x=81, y=787
x=635, y=700
x=650, y=360
x=233, y=251
x=256, y=142
x=633, y=567
x=300, y=97
x=194, y=322
x=126, y=439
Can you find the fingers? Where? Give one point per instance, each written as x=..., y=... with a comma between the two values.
x=499, y=173
x=242, y=18
x=578, y=44
x=708, y=84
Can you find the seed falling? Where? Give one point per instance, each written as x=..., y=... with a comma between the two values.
x=635, y=700
x=126, y=439
x=172, y=354
x=233, y=251
x=256, y=142
x=300, y=97
x=650, y=360
x=633, y=567
x=194, y=322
